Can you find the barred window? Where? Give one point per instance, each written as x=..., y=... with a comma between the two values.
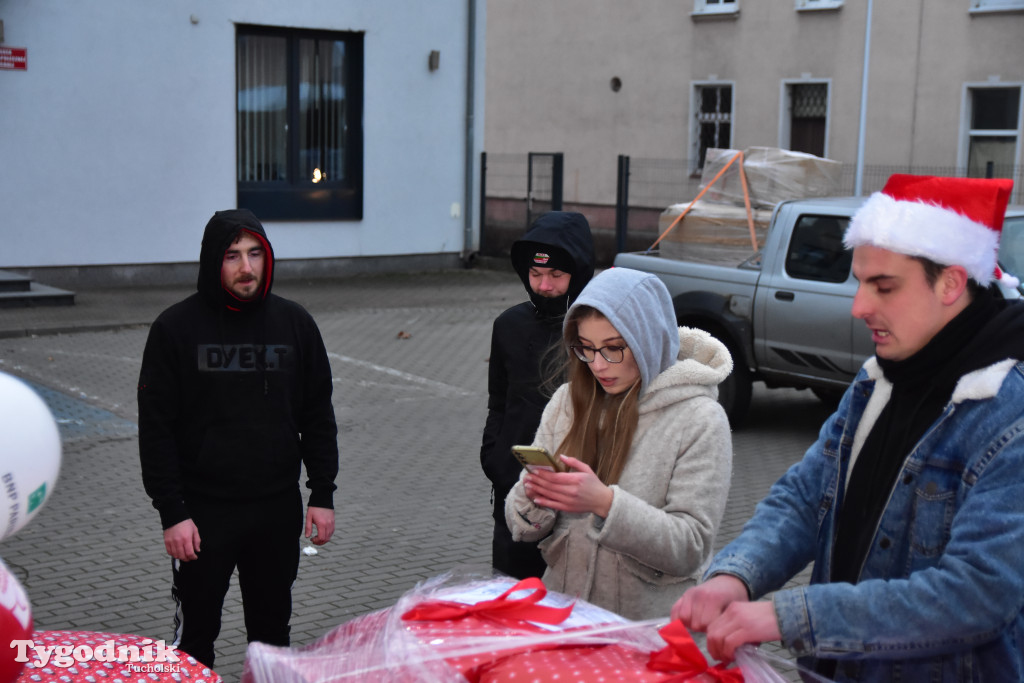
x=713, y=119
x=808, y=117
x=810, y=100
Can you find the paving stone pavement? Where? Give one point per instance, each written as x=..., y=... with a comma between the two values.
x=409, y=359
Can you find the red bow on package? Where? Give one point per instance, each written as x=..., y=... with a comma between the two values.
x=501, y=609
x=683, y=657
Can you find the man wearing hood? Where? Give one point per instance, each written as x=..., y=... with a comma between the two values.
x=234, y=397
x=910, y=502
x=555, y=261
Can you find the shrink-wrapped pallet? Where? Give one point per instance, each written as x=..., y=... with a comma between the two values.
x=711, y=232
x=773, y=175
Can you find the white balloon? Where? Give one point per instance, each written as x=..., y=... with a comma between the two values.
x=30, y=454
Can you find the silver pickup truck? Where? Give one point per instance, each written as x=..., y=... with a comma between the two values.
x=784, y=313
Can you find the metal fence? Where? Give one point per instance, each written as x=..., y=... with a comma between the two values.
x=507, y=208
x=518, y=187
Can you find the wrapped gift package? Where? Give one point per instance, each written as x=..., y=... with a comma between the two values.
x=493, y=630
x=716, y=228
x=773, y=175
x=711, y=233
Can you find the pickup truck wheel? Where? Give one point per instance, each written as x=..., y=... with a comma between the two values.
x=734, y=393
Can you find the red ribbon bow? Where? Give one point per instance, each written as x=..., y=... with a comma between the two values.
x=501, y=609
x=682, y=656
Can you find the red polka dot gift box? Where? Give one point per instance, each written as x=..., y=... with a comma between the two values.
x=489, y=631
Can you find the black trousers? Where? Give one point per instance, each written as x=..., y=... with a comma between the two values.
x=260, y=539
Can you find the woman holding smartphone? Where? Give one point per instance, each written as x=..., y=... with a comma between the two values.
x=632, y=523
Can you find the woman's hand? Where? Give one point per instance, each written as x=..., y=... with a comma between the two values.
x=578, y=490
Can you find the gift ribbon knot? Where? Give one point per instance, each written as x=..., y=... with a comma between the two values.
x=682, y=656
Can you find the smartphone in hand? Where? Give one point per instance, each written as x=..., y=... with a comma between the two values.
x=532, y=457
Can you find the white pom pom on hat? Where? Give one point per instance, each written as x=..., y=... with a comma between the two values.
x=951, y=221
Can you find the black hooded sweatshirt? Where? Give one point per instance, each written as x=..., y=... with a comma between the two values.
x=234, y=395
x=520, y=338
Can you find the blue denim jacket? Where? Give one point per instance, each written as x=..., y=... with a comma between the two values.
x=941, y=591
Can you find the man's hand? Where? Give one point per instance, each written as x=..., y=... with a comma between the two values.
x=702, y=604
x=182, y=541
x=323, y=520
x=576, y=491
x=742, y=622
x=721, y=607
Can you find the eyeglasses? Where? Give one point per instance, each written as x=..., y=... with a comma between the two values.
x=612, y=354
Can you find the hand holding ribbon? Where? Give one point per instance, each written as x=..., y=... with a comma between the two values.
x=682, y=656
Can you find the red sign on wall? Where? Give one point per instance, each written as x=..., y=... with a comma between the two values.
x=14, y=58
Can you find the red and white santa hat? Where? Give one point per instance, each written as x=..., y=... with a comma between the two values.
x=951, y=221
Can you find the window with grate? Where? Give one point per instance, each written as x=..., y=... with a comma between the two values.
x=808, y=117
x=810, y=100
x=713, y=120
x=299, y=123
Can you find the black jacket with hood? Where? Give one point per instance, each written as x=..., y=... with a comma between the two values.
x=234, y=395
x=519, y=340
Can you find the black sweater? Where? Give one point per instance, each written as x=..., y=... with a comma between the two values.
x=234, y=396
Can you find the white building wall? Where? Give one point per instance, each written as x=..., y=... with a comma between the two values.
x=117, y=143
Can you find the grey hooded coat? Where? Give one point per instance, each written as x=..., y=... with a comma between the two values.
x=668, y=503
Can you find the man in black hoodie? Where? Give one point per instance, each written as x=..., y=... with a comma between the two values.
x=555, y=261
x=234, y=397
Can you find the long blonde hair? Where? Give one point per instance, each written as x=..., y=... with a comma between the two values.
x=603, y=424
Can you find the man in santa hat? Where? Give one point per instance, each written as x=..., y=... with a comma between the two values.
x=911, y=501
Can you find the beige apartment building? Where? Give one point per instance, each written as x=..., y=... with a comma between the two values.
x=667, y=79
